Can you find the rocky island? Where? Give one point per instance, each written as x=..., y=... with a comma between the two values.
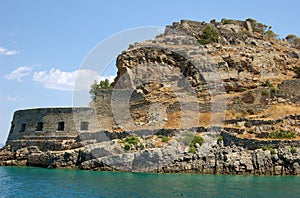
x=218, y=98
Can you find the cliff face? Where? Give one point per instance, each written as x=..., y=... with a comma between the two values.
x=231, y=83
x=244, y=72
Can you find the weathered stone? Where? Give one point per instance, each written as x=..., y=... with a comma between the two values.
x=161, y=87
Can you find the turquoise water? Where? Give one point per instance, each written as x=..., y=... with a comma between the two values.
x=39, y=182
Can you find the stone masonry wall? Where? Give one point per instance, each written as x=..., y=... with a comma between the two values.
x=58, y=124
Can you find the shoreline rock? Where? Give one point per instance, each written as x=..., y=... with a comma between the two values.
x=219, y=159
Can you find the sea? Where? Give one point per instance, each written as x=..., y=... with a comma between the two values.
x=40, y=182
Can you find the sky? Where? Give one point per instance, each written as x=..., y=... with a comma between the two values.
x=44, y=45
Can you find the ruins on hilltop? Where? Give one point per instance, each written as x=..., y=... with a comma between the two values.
x=233, y=83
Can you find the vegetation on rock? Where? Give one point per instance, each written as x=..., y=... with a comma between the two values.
x=220, y=138
x=192, y=150
x=132, y=139
x=96, y=87
x=270, y=148
x=293, y=149
x=209, y=35
x=163, y=138
x=282, y=134
x=197, y=139
x=294, y=40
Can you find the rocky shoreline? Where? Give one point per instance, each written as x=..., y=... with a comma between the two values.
x=171, y=157
x=209, y=98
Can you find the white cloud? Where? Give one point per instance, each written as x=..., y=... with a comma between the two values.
x=19, y=73
x=6, y=52
x=57, y=79
x=110, y=78
x=13, y=98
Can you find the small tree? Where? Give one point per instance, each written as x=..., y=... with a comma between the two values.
x=96, y=87
x=294, y=40
x=209, y=35
x=290, y=37
x=271, y=34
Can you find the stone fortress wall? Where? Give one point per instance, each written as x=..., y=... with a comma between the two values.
x=58, y=124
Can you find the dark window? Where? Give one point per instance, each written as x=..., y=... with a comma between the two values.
x=23, y=127
x=39, y=126
x=61, y=126
x=84, y=126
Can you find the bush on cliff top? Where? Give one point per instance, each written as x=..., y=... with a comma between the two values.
x=294, y=40
x=96, y=87
x=209, y=35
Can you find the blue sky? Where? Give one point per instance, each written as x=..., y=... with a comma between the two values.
x=44, y=43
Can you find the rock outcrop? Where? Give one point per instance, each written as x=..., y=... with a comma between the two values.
x=231, y=83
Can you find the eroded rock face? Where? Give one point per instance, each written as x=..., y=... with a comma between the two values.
x=153, y=155
x=170, y=86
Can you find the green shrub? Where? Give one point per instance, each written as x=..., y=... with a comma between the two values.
x=282, y=134
x=209, y=35
x=197, y=139
x=187, y=139
x=290, y=37
x=132, y=139
x=192, y=150
x=220, y=138
x=273, y=151
x=226, y=21
x=264, y=148
x=265, y=92
x=293, y=149
x=163, y=138
x=127, y=147
x=237, y=101
x=259, y=27
x=96, y=87
x=267, y=83
x=191, y=139
x=293, y=39
x=139, y=86
x=274, y=91
x=296, y=42
x=270, y=148
x=244, y=89
x=271, y=34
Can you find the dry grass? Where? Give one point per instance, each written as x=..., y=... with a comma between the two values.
x=280, y=111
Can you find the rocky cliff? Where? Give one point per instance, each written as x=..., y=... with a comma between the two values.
x=218, y=97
